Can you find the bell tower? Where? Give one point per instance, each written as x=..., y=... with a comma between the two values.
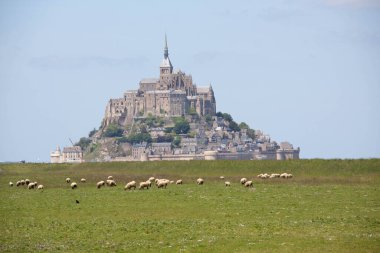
x=166, y=66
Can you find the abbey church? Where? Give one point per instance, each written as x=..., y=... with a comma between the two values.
x=172, y=94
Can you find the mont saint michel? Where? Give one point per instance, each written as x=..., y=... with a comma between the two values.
x=171, y=118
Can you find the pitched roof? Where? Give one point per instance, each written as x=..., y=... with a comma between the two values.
x=149, y=80
x=74, y=149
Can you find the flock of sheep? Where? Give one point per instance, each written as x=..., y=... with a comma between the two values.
x=30, y=185
x=275, y=175
x=160, y=183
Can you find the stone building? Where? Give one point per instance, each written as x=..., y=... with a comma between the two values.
x=172, y=94
x=72, y=154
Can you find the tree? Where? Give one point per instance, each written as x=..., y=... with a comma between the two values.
x=251, y=133
x=176, y=141
x=243, y=125
x=234, y=126
x=113, y=131
x=165, y=138
x=219, y=114
x=227, y=117
x=140, y=137
x=83, y=143
x=90, y=134
x=181, y=127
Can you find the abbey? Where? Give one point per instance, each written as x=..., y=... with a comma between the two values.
x=172, y=94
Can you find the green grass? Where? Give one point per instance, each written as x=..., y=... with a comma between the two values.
x=329, y=206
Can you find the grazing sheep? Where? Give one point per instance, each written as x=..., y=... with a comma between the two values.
x=274, y=175
x=40, y=187
x=99, y=184
x=151, y=179
x=143, y=185
x=149, y=183
x=167, y=181
x=27, y=181
x=31, y=186
x=22, y=182
x=286, y=175
x=179, y=181
x=248, y=184
x=83, y=180
x=18, y=183
x=162, y=183
x=259, y=176
x=200, y=181
x=68, y=180
x=265, y=176
x=243, y=180
x=171, y=182
x=10, y=184
x=227, y=183
x=74, y=185
x=221, y=177
x=130, y=185
x=111, y=183
x=110, y=178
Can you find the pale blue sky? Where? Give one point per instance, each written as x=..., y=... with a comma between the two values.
x=303, y=71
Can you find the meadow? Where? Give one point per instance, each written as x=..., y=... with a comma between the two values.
x=328, y=206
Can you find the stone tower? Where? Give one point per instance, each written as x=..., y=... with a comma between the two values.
x=166, y=67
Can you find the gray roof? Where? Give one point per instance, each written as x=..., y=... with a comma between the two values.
x=74, y=149
x=149, y=80
x=162, y=144
x=203, y=89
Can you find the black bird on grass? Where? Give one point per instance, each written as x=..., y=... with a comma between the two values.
x=77, y=201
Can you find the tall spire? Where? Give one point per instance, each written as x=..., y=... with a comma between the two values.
x=166, y=50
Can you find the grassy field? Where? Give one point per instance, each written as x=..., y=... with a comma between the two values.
x=329, y=206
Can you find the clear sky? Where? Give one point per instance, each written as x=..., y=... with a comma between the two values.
x=303, y=71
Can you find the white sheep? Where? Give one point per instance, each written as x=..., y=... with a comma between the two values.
x=259, y=176
x=162, y=183
x=227, y=183
x=274, y=175
x=143, y=185
x=73, y=185
x=149, y=183
x=40, y=187
x=171, y=182
x=221, y=177
x=10, y=184
x=179, y=181
x=243, y=180
x=167, y=181
x=31, y=186
x=151, y=179
x=130, y=185
x=200, y=181
x=18, y=183
x=22, y=182
x=110, y=178
x=99, y=184
x=27, y=181
x=83, y=180
x=68, y=180
x=265, y=176
x=111, y=182
x=286, y=175
x=248, y=184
